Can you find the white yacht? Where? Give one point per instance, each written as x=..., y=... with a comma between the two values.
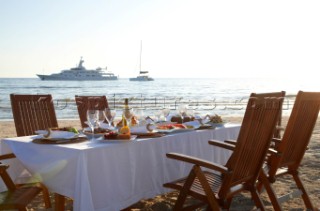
x=143, y=75
x=80, y=73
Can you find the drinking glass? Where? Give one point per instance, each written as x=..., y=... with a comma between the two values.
x=166, y=112
x=110, y=114
x=92, y=118
x=139, y=114
x=182, y=109
x=128, y=114
x=101, y=117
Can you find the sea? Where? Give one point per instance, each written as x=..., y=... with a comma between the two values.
x=221, y=96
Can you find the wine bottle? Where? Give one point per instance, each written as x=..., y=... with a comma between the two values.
x=124, y=129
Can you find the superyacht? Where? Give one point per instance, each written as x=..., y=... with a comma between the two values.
x=80, y=73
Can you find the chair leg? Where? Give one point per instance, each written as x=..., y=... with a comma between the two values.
x=214, y=204
x=46, y=196
x=59, y=202
x=305, y=196
x=184, y=191
x=257, y=200
x=263, y=181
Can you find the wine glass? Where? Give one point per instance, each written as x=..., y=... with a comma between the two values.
x=182, y=109
x=166, y=112
x=92, y=118
x=140, y=115
x=128, y=114
x=101, y=116
x=110, y=114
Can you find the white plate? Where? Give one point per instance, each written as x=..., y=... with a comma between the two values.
x=57, y=134
x=222, y=124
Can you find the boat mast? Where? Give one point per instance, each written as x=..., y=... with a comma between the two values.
x=140, y=54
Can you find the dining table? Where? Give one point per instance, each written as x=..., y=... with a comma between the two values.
x=114, y=174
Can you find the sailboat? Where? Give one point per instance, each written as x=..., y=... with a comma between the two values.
x=143, y=75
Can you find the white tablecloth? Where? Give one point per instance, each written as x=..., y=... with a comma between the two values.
x=112, y=176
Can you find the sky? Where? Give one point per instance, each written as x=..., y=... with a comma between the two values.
x=180, y=38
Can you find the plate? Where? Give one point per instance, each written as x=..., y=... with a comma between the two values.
x=57, y=134
x=132, y=137
x=88, y=133
x=222, y=124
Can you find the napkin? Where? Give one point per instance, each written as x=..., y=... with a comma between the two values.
x=139, y=129
x=56, y=134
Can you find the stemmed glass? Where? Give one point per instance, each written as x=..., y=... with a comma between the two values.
x=128, y=114
x=182, y=109
x=140, y=115
x=110, y=114
x=166, y=112
x=101, y=116
x=92, y=118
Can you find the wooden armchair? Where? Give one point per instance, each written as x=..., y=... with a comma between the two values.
x=31, y=113
x=291, y=149
x=15, y=197
x=242, y=169
x=92, y=102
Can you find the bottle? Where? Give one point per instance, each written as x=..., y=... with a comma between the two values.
x=126, y=110
x=126, y=103
x=124, y=130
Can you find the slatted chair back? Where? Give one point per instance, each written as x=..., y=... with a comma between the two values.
x=89, y=102
x=299, y=129
x=32, y=112
x=298, y=132
x=268, y=95
x=253, y=142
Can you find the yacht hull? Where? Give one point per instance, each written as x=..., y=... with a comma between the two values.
x=57, y=78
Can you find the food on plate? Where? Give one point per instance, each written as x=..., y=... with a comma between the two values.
x=111, y=135
x=171, y=126
x=134, y=121
x=179, y=120
x=124, y=132
x=69, y=129
x=215, y=118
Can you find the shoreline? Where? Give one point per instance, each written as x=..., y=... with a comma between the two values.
x=309, y=173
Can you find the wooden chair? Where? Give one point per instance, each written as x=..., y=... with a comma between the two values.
x=15, y=197
x=242, y=169
x=291, y=148
x=31, y=113
x=92, y=102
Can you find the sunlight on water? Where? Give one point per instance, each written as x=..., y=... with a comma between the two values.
x=224, y=96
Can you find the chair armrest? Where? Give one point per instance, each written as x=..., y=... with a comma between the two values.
x=229, y=141
x=198, y=161
x=7, y=156
x=222, y=144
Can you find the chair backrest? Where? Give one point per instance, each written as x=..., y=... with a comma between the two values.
x=32, y=112
x=253, y=141
x=272, y=95
x=89, y=102
x=6, y=178
x=298, y=132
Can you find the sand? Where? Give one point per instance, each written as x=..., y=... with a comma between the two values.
x=309, y=174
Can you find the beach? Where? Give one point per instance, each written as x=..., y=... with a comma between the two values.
x=309, y=173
